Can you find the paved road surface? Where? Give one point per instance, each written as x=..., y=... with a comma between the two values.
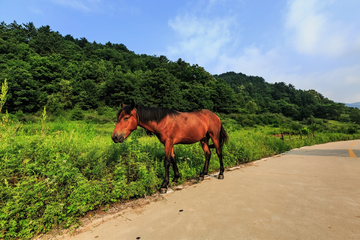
x=308, y=193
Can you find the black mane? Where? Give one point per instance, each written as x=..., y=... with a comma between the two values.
x=149, y=114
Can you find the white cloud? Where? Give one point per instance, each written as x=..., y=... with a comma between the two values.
x=312, y=29
x=252, y=61
x=341, y=83
x=320, y=48
x=201, y=39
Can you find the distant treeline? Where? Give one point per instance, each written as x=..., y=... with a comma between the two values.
x=44, y=68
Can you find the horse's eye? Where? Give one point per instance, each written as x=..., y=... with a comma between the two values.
x=126, y=118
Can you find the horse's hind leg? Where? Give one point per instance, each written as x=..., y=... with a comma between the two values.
x=205, y=146
x=175, y=168
x=167, y=161
x=216, y=142
x=219, y=153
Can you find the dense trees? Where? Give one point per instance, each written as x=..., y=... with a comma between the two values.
x=285, y=99
x=44, y=68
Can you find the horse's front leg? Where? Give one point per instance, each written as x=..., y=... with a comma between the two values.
x=175, y=168
x=167, y=161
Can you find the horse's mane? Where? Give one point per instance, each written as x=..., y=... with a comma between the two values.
x=149, y=114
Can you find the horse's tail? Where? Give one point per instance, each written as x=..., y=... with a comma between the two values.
x=224, y=138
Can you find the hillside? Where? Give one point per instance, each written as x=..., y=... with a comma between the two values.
x=44, y=68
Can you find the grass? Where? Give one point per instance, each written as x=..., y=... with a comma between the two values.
x=53, y=173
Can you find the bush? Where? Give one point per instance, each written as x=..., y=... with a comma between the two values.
x=29, y=119
x=92, y=119
x=106, y=111
x=352, y=129
x=305, y=131
x=77, y=114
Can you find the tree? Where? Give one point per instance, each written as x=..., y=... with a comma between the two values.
x=88, y=97
x=31, y=30
x=160, y=89
x=24, y=92
x=313, y=127
x=65, y=93
x=121, y=88
x=223, y=97
x=251, y=107
x=4, y=90
x=47, y=42
x=355, y=115
x=296, y=127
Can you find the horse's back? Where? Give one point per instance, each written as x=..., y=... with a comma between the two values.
x=213, y=121
x=204, y=119
x=190, y=127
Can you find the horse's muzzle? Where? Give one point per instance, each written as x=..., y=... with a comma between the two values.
x=118, y=138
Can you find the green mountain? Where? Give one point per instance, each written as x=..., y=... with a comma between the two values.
x=44, y=68
x=282, y=98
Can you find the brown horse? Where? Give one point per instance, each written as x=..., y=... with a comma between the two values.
x=173, y=127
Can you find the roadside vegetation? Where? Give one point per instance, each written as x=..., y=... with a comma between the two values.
x=54, y=172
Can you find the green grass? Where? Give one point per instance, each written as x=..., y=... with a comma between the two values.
x=53, y=174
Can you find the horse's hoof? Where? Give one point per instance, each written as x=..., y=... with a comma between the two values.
x=200, y=178
x=221, y=176
x=163, y=190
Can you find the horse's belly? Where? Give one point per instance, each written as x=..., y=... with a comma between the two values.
x=191, y=135
x=186, y=141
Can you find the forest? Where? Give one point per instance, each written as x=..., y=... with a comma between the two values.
x=44, y=68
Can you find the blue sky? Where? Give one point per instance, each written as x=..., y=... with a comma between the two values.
x=312, y=44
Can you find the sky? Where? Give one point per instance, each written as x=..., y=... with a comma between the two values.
x=312, y=44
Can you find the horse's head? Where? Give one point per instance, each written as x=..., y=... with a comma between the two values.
x=127, y=121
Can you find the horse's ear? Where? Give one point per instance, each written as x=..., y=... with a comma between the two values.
x=123, y=105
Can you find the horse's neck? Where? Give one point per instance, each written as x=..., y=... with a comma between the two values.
x=150, y=126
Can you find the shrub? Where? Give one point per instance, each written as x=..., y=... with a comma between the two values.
x=92, y=119
x=77, y=114
x=352, y=129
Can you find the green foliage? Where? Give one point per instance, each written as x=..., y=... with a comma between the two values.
x=51, y=178
x=283, y=98
x=4, y=90
x=355, y=115
x=38, y=60
x=251, y=107
x=52, y=173
x=77, y=114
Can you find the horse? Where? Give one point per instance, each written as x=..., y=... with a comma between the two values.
x=172, y=127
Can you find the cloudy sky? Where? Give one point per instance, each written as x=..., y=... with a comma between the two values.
x=312, y=44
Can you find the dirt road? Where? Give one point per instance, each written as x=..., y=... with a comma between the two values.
x=308, y=193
